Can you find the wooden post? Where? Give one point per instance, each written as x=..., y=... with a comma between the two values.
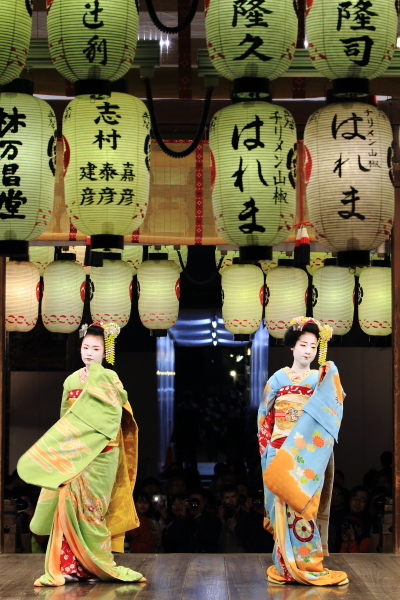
x=396, y=347
x=3, y=383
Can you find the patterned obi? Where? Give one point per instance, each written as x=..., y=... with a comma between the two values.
x=72, y=398
x=288, y=408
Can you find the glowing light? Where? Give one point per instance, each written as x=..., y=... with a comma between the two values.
x=233, y=373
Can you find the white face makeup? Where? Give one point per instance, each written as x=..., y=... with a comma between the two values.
x=305, y=350
x=92, y=349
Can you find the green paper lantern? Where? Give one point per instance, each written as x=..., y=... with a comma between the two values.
x=333, y=298
x=350, y=194
x=27, y=163
x=106, y=161
x=223, y=260
x=351, y=38
x=133, y=256
x=317, y=261
x=22, y=296
x=253, y=178
x=243, y=298
x=251, y=39
x=63, y=296
x=159, y=294
x=41, y=256
x=172, y=252
x=92, y=40
x=15, y=37
x=267, y=265
x=375, y=301
x=286, y=298
x=111, y=292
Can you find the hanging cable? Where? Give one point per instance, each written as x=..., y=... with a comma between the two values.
x=154, y=125
x=156, y=21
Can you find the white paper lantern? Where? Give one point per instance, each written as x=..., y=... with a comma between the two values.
x=333, y=298
x=351, y=39
x=253, y=174
x=63, y=296
x=375, y=300
x=111, y=293
x=106, y=161
x=243, y=298
x=317, y=261
x=350, y=194
x=15, y=36
x=159, y=293
x=225, y=260
x=27, y=151
x=172, y=252
x=41, y=256
x=267, y=265
x=132, y=254
x=92, y=40
x=251, y=38
x=287, y=291
x=22, y=296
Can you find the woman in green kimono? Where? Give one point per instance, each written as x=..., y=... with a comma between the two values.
x=86, y=464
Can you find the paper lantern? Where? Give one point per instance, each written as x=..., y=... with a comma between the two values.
x=375, y=301
x=251, y=39
x=106, y=161
x=286, y=297
x=180, y=260
x=243, y=298
x=351, y=39
x=111, y=292
x=317, y=261
x=253, y=161
x=92, y=40
x=27, y=151
x=133, y=256
x=15, y=36
x=159, y=293
x=333, y=298
x=223, y=260
x=22, y=296
x=350, y=195
x=63, y=295
x=41, y=256
x=267, y=265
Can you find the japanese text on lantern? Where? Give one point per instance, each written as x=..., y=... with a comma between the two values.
x=107, y=172
x=359, y=126
x=252, y=14
x=249, y=138
x=358, y=18
x=96, y=48
x=12, y=124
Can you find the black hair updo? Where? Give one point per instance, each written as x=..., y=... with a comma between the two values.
x=292, y=335
x=94, y=330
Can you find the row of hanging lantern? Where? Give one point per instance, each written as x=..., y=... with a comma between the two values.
x=64, y=287
x=348, y=143
x=286, y=293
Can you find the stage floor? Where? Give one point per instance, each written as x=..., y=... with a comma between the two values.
x=206, y=577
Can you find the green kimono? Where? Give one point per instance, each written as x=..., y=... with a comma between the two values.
x=86, y=464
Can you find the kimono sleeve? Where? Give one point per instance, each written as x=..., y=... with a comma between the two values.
x=64, y=400
x=123, y=395
x=265, y=420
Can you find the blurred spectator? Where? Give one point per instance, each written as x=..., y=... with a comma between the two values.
x=151, y=486
x=147, y=537
x=220, y=469
x=192, y=529
x=356, y=526
x=176, y=485
x=249, y=528
x=339, y=509
x=228, y=512
x=339, y=479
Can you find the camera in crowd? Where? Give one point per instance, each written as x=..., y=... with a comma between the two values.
x=194, y=503
x=229, y=511
x=258, y=499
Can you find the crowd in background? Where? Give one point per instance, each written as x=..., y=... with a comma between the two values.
x=182, y=513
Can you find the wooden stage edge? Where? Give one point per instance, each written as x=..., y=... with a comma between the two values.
x=206, y=577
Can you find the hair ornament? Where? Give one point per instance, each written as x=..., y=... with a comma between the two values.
x=111, y=332
x=325, y=334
